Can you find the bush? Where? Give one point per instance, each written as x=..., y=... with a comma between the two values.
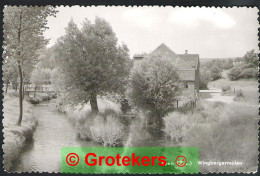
x=204, y=80
x=215, y=73
x=106, y=127
x=239, y=95
x=234, y=73
x=248, y=68
x=225, y=88
x=235, y=125
x=177, y=125
x=108, y=130
x=249, y=73
x=154, y=86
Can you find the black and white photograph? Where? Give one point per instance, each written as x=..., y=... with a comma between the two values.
x=128, y=76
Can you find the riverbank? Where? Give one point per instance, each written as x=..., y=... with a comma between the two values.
x=54, y=131
x=15, y=137
x=108, y=127
x=215, y=128
x=40, y=97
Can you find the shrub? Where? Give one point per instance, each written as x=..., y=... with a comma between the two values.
x=243, y=71
x=204, y=79
x=239, y=95
x=225, y=88
x=105, y=127
x=248, y=73
x=236, y=126
x=154, y=86
x=176, y=125
x=215, y=73
x=234, y=73
x=109, y=130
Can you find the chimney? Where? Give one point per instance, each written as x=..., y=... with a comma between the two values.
x=186, y=51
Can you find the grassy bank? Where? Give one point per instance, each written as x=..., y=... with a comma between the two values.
x=15, y=137
x=40, y=97
x=108, y=127
x=222, y=132
x=249, y=87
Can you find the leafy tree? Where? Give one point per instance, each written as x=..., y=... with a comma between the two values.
x=92, y=62
x=204, y=79
x=251, y=58
x=248, y=67
x=215, y=73
x=154, y=86
x=40, y=77
x=23, y=38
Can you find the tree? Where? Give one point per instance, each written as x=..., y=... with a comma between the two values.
x=215, y=73
x=154, y=86
x=23, y=38
x=251, y=58
x=247, y=68
x=92, y=62
x=39, y=77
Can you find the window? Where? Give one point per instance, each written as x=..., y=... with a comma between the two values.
x=186, y=85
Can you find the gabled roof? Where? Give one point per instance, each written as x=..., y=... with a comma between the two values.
x=193, y=59
x=165, y=51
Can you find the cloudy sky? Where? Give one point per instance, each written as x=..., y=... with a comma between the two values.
x=210, y=32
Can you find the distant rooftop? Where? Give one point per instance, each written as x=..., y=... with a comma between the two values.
x=182, y=61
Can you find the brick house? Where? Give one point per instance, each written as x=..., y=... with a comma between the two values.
x=187, y=66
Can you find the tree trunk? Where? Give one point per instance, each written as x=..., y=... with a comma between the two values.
x=20, y=94
x=23, y=92
x=93, y=103
x=20, y=74
x=35, y=91
x=7, y=83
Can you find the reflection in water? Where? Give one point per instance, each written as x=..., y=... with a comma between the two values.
x=54, y=131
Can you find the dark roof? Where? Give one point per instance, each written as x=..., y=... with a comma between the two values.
x=193, y=59
x=165, y=51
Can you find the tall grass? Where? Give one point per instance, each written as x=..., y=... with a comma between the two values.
x=106, y=127
x=222, y=132
x=15, y=137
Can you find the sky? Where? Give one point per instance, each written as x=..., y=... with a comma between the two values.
x=209, y=32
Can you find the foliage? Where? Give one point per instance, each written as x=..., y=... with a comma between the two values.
x=23, y=38
x=211, y=71
x=92, y=62
x=247, y=68
x=15, y=137
x=109, y=131
x=40, y=76
x=239, y=95
x=233, y=125
x=226, y=88
x=204, y=80
x=215, y=73
x=251, y=58
x=177, y=125
x=105, y=127
x=154, y=86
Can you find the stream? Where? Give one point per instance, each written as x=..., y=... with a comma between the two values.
x=54, y=131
